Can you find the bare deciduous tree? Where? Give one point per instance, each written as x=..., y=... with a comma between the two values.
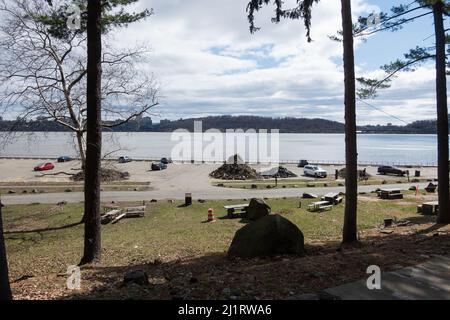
x=44, y=75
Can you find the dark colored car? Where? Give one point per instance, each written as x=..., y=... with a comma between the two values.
x=44, y=166
x=302, y=163
x=391, y=170
x=166, y=160
x=125, y=159
x=64, y=159
x=159, y=166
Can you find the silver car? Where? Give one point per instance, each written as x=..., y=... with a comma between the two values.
x=314, y=171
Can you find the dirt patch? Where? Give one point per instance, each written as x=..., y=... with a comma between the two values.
x=214, y=276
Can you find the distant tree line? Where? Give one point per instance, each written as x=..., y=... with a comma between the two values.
x=285, y=125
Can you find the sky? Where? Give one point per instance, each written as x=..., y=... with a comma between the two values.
x=207, y=63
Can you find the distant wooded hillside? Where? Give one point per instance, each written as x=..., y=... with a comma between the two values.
x=222, y=123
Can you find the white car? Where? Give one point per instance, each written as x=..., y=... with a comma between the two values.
x=314, y=171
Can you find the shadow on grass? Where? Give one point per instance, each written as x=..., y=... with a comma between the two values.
x=242, y=220
x=67, y=226
x=215, y=276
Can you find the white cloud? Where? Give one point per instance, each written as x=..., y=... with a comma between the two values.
x=208, y=63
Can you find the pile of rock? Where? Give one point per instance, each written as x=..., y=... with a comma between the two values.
x=285, y=173
x=107, y=175
x=282, y=172
x=235, y=171
x=278, y=172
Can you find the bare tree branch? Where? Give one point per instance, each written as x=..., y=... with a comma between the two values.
x=42, y=75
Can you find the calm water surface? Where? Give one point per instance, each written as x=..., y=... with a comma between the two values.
x=372, y=148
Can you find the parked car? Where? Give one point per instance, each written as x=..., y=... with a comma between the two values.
x=125, y=159
x=166, y=160
x=302, y=163
x=314, y=171
x=391, y=170
x=158, y=166
x=64, y=159
x=44, y=166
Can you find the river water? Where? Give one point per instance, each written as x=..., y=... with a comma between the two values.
x=321, y=148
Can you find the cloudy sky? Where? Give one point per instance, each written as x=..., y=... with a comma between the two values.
x=207, y=62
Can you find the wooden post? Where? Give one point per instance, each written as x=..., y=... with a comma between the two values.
x=188, y=199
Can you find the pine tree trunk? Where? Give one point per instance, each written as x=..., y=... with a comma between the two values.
x=92, y=229
x=442, y=115
x=5, y=289
x=351, y=178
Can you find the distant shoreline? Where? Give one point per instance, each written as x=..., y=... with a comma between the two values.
x=313, y=133
x=222, y=123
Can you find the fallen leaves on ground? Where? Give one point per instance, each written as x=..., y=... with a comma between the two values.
x=214, y=276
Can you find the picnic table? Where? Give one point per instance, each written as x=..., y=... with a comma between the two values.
x=428, y=208
x=236, y=209
x=109, y=207
x=320, y=206
x=135, y=212
x=332, y=198
x=431, y=187
x=116, y=214
x=390, y=194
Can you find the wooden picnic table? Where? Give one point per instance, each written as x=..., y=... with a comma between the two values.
x=332, y=198
x=319, y=206
x=431, y=187
x=333, y=195
x=109, y=207
x=135, y=212
x=390, y=194
x=231, y=209
x=392, y=190
x=429, y=208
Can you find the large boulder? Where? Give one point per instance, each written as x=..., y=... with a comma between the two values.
x=269, y=236
x=257, y=209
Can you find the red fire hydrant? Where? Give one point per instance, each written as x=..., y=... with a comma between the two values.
x=210, y=215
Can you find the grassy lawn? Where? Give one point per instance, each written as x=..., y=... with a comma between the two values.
x=168, y=234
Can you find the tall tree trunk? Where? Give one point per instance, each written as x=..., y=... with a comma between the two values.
x=5, y=289
x=351, y=177
x=81, y=149
x=92, y=229
x=442, y=115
